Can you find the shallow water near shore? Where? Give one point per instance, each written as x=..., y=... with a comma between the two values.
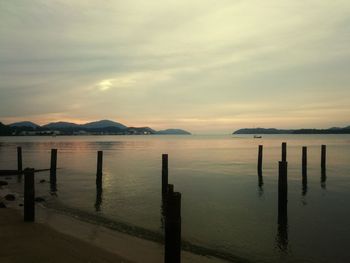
x=224, y=208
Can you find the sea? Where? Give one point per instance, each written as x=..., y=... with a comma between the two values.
x=227, y=209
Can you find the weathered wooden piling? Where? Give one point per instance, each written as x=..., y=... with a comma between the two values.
x=323, y=157
x=29, y=195
x=304, y=162
x=282, y=186
x=170, y=188
x=19, y=159
x=260, y=159
x=284, y=152
x=164, y=173
x=304, y=170
x=173, y=228
x=19, y=164
x=53, y=170
x=99, y=169
x=170, y=191
x=282, y=179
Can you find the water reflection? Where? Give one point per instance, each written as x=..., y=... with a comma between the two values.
x=53, y=186
x=53, y=182
x=304, y=185
x=282, y=230
x=99, y=189
x=98, y=202
x=282, y=220
x=260, y=184
x=323, y=179
x=304, y=190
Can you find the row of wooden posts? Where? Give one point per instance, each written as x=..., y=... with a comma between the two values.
x=284, y=157
x=171, y=200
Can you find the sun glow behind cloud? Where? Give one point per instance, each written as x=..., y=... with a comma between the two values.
x=105, y=84
x=198, y=65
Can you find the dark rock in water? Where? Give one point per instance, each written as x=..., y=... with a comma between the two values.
x=20, y=205
x=10, y=197
x=39, y=199
x=2, y=183
x=42, y=181
x=2, y=205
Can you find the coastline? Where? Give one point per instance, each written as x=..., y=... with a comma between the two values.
x=56, y=237
x=36, y=242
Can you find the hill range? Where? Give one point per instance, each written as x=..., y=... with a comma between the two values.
x=333, y=130
x=102, y=127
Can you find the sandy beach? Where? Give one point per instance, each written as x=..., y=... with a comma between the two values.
x=36, y=242
x=56, y=237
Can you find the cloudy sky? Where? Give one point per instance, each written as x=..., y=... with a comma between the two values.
x=202, y=65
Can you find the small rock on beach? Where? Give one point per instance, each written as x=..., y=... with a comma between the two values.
x=10, y=197
x=39, y=199
x=2, y=183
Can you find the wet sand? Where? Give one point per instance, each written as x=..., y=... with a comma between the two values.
x=56, y=237
x=35, y=242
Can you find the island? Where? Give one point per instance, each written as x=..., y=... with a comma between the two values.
x=333, y=130
x=173, y=132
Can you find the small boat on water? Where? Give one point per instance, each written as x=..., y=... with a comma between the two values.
x=257, y=137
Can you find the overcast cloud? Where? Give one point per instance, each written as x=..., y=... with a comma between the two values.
x=205, y=66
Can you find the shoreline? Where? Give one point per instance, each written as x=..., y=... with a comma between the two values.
x=53, y=230
x=36, y=242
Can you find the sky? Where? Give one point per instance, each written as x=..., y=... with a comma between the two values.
x=207, y=66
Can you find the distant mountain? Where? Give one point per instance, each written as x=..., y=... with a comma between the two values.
x=140, y=130
x=333, y=130
x=103, y=124
x=60, y=125
x=173, y=131
x=25, y=124
x=5, y=130
x=102, y=127
x=262, y=131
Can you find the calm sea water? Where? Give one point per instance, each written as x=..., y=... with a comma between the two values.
x=223, y=206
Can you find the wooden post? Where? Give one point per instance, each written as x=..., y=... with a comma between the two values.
x=323, y=157
x=260, y=159
x=323, y=167
x=19, y=164
x=173, y=228
x=19, y=159
x=304, y=170
x=53, y=169
x=282, y=186
x=99, y=169
x=29, y=195
x=304, y=162
x=164, y=173
x=284, y=152
x=170, y=189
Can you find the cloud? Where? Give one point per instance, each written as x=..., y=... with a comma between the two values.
x=163, y=62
